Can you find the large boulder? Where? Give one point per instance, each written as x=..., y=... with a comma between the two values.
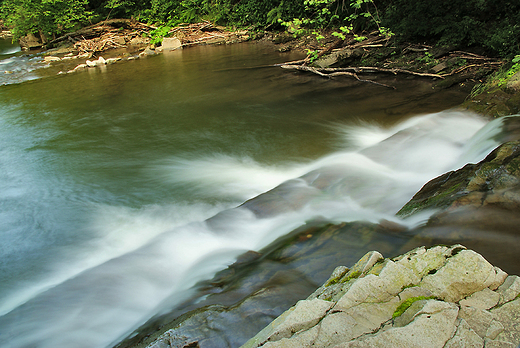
x=30, y=42
x=493, y=182
x=339, y=57
x=171, y=43
x=429, y=297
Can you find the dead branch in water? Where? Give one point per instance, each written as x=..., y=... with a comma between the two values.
x=458, y=70
x=353, y=71
x=332, y=73
x=370, y=69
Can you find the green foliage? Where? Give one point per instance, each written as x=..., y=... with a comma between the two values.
x=318, y=36
x=504, y=76
x=427, y=59
x=157, y=35
x=497, y=80
x=44, y=17
x=312, y=55
x=357, y=16
x=492, y=24
x=119, y=8
x=263, y=13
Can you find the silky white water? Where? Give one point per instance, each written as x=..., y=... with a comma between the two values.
x=120, y=190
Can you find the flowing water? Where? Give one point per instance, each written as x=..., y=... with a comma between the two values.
x=108, y=177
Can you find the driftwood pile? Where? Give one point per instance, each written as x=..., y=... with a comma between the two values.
x=193, y=34
x=104, y=35
x=118, y=33
x=472, y=61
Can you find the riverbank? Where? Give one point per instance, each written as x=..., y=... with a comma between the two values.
x=116, y=40
x=119, y=40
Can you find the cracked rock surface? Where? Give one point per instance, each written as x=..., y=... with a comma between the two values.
x=443, y=296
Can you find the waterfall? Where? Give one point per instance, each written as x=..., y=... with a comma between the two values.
x=145, y=255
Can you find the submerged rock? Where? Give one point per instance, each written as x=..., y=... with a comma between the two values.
x=242, y=299
x=373, y=307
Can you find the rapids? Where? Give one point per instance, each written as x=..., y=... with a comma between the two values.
x=122, y=189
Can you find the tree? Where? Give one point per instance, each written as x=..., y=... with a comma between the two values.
x=45, y=18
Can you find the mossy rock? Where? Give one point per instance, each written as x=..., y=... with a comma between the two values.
x=407, y=304
x=500, y=170
x=495, y=102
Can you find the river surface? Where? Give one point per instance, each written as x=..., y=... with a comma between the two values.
x=108, y=175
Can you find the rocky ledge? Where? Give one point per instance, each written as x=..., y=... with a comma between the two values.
x=429, y=297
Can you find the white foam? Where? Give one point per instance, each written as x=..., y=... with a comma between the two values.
x=147, y=259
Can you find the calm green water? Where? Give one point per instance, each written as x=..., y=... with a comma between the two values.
x=107, y=175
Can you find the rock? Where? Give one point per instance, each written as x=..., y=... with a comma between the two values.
x=51, y=59
x=465, y=337
x=484, y=299
x=418, y=308
x=171, y=43
x=494, y=181
x=301, y=339
x=478, y=319
x=423, y=261
x=488, y=343
x=463, y=274
x=494, y=329
x=513, y=82
x=338, y=57
x=432, y=327
x=139, y=41
x=81, y=66
x=388, y=304
x=31, y=42
x=440, y=67
x=78, y=67
x=509, y=316
x=414, y=291
x=509, y=289
x=148, y=51
x=283, y=37
x=112, y=60
x=303, y=316
x=98, y=62
x=120, y=40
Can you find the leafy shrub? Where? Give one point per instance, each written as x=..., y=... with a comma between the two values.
x=45, y=17
x=492, y=24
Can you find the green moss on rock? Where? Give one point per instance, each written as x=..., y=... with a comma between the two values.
x=407, y=303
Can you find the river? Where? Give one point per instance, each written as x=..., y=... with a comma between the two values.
x=107, y=176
